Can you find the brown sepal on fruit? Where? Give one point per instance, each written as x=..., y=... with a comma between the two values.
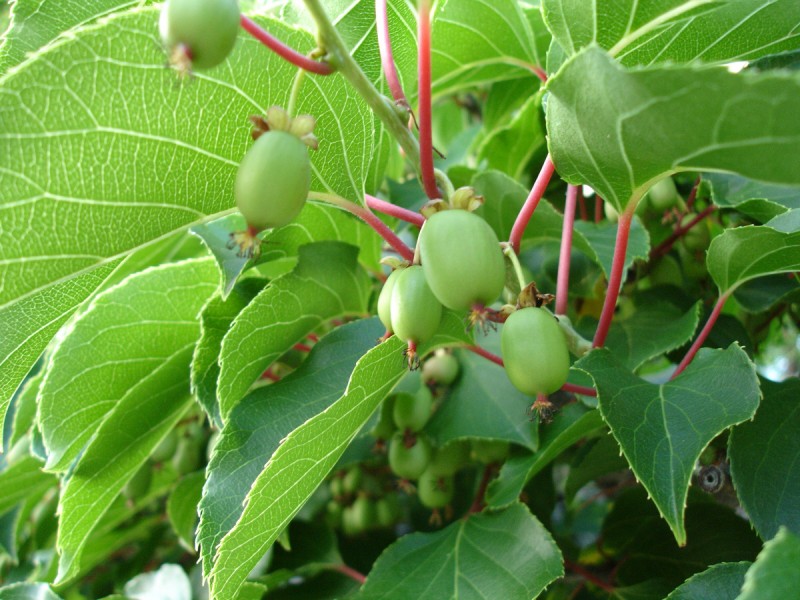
x=180, y=59
x=277, y=119
x=542, y=409
x=411, y=356
x=531, y=296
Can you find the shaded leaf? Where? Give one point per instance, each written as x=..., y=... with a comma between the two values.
x=483, y=403
x=182, y=507
x=758, y=295
x=774, y=575
x=28, y=591
x=571, y=424
x=602, y=236
x=476, y=42
x=664, y=120
x=765, y=460
x=326, y=284
x=267, y=415
x=744, y=253
x=761, y=201
x=662, y=429
x=22, y=479
x=307, y=455
x=720, y=582
x=506, y=554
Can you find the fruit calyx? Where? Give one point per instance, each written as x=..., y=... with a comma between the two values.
x=277, y=119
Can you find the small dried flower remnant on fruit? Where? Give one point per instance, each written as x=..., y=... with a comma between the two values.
x=199, y=34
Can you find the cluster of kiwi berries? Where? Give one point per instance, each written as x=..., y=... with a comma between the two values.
x=462, y=264
x=406, y=463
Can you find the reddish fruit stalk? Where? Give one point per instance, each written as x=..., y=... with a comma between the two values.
x=615, y=280
x=387, y=59
x=424, y=113
x=537, y=191
x=698, y=343
x=393, y=210
x=562, y=284
x=679, y=232
x=284, y=51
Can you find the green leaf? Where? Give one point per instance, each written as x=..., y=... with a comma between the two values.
x=21, y=479
x=681, y=31
x=157, y=167
x=765, y=460
x=758, y=295
x=598, y=457
x=760, y=201
x=735, y=30
x=36, y=23
x=326, y=284
x=307, y=455
x=662, y=120
x=662, y=429
x=650, y=331
x=571, y=424
x=28, y=325
x=25, y=408
x=215, y=321
x=480, y=42
x=510, y=147
x=483, y=403
x=130, y=338
x=720, y=582
x=744, y=253
x=182, y=507
x=634, y=531
x=774, y=575
x=28, y=591
x=576, y=24
x=266, y=416
x=506, y=554
x=602, y=236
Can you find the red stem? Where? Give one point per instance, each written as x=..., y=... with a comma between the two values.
x=301, y=348
x=698, y=343
x=693, y=194
x=598, y=209
x=582, y=208
x=588, y=576
x=387, y=59
x=679, y=232
x=387, y=208
x=424, y=98
x=284, y=51
x=615, y=280
x=525, y=214
x=567, y=387
x=380, y=227
x=349, y=572
x=478, y=503
x=562, y=282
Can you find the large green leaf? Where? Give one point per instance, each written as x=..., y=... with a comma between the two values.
x=765, y=460
x=307, y=455
x=649, y=331
x=760, y=201
x=327, y=283
x=480, y=41
x=22, y=479
x=36, y=23
x=116, y=386
x=27, y=326
x=662, y=429
x=720, y=582
x=571, y=424
x=663, y=120
x=506, y=554
x=131, y=337
x=643, y=33
x=774, y=575
x=744, y=253
x=157, y=158
x=264, y=417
